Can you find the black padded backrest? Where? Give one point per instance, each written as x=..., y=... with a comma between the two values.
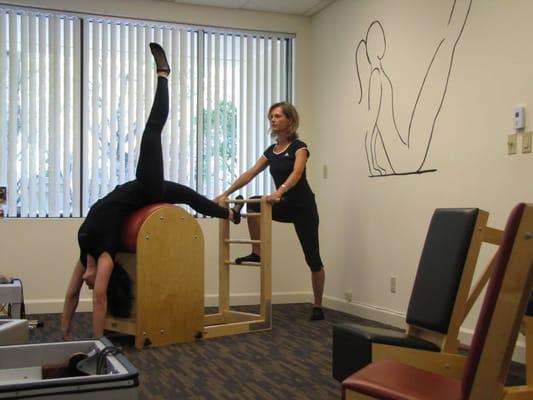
x=440, y=268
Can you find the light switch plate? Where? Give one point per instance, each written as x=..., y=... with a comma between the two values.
x=511, y=143
x=526, y=142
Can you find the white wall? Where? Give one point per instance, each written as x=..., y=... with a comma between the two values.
x=379, y=224
x=371, y=228
x=42, y=252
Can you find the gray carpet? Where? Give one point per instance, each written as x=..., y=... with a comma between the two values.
x=292, y=361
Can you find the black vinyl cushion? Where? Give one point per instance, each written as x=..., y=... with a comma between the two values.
x=352, y=346
x=440, y=268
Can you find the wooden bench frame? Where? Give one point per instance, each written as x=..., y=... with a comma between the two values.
x=447, y=361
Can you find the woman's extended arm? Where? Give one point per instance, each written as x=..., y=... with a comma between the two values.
x=72, y=299
x=244, y=179
x=103, y=274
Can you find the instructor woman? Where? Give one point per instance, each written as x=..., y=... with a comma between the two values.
x=287, y=159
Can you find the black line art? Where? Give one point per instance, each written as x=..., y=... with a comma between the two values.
x=389, y=150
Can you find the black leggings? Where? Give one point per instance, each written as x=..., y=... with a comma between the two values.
x=149, y=171
x=101, y=230
x=305, y=220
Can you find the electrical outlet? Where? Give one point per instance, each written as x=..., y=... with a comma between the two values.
x=393, y=284
x=348, y=296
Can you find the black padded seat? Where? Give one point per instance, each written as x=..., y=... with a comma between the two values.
x=432, y=299
x=352, y=346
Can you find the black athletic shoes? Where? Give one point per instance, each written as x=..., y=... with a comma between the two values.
x=252, y=257
x=237, y=210
x=317, y=314
x=160, y=58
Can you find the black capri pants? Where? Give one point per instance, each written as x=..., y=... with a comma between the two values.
x=305, y=220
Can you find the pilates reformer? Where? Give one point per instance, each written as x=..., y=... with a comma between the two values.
x=164, y=257
x=15, y=329
x=34, y=371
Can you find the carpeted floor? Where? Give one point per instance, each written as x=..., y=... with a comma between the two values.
x=292, y=361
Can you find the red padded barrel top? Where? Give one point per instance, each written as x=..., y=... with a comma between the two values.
x=133, y=224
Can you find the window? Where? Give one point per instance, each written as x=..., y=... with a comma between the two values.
x=75, y=92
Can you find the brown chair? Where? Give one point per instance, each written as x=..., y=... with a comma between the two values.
x=494, y=338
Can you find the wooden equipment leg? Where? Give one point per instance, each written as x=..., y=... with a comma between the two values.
x=231, y=322
x=524, y=392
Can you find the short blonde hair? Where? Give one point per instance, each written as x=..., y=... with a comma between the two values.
x=290, y=112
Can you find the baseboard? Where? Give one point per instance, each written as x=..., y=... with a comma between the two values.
x=397, y=319
x=54, y=306
x=366, y=311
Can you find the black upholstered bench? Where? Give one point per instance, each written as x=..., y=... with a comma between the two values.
x=438, y=300
x=487, y=364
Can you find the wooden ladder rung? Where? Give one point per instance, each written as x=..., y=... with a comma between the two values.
x=242, y=241
x=251, y=214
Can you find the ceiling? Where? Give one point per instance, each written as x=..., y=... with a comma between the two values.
x=305, y=8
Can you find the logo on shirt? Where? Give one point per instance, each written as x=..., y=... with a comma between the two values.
x=286, y=155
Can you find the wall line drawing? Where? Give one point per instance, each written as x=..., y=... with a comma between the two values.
x=390, y=150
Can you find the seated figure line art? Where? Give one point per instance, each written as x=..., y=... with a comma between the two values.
x=389, y=149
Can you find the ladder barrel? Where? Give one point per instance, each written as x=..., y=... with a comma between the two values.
x=227, y=321
x=163, y=253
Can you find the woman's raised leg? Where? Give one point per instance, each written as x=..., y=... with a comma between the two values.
x=181, y=194
x=149, y=171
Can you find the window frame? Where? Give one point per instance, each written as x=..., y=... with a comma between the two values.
x=202, y=33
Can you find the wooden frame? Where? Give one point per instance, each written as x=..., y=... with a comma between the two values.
x=447, y=364
x=504, y=327
x=167, y=273
x=230, y=322
x=499, y=332
x=447, y=361
x=170, y=251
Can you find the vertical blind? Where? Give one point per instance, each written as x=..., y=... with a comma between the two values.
x=75, y=92
x=39, y=105
x=118, y=91
x=243, y=77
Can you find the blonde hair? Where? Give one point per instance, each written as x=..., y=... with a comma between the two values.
x=290, y=112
